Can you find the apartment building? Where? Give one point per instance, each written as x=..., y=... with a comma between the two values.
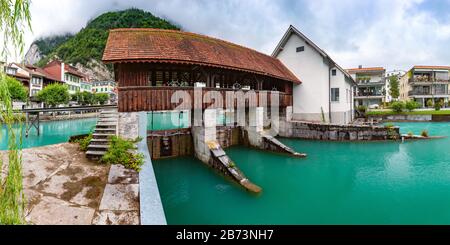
x=75, y=80
x=108, y=87
x=32, y=77
x=371, y=86
x=426, y=85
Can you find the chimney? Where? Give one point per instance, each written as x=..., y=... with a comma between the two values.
x=360, y=66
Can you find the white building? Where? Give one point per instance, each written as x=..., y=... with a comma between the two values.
x=389, y=74
x=371, y=91
x=108, y=87
x=326, y=91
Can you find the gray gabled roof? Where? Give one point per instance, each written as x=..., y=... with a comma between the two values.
x=293, y=30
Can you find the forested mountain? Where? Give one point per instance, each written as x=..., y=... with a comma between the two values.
x=85, y=48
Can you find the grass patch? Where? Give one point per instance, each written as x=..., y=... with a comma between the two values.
x=417, y=112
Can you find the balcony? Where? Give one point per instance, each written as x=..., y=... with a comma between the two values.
x=370, y=83
x=370, y=95
x=426, y=81
x=427, y=93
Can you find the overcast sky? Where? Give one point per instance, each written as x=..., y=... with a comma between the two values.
x=392, y=33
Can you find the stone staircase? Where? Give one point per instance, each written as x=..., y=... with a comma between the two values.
x=105, y=128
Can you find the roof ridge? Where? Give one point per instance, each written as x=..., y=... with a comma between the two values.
x=231, y=55
x=189, y=33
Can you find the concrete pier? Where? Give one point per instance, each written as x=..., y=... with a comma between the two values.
x=255, y=136
x=209, y=151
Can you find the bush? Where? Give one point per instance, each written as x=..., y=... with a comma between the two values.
x=430, y=103
x=121, y=152
x=438, y=106
x=389, y=125
x=411, y=105
x=84, y=142
x=410, y=134
x=398, y=106
x=362, y=108
x=424, y=133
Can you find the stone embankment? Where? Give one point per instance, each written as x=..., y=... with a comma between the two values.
x=334, y=132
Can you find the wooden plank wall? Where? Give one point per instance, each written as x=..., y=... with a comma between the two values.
x=146, y=98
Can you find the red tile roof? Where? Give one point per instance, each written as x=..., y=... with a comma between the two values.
x=54, y=68
x=156, y=45
x=365, y=69
x=432, y=67
x=74, y=71
x=37, y=71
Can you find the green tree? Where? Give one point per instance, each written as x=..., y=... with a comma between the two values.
x=101, y=98
x=14, y=20
x=394, y=87
x=77, y=97
x=88, y=98
x=54, y=94
x=90, y=42
x=17, y=91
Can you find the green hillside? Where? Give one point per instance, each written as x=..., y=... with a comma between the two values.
x=90, y=41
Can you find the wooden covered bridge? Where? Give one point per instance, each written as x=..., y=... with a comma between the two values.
x=151, y=65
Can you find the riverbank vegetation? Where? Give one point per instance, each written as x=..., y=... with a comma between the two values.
x=87, y=98
x=58, y=94
x=84, y=142
x=123, y=152
x=15, y=18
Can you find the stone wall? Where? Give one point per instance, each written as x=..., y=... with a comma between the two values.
x=317, y=131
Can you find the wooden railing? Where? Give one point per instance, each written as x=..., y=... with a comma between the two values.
x=146, y=98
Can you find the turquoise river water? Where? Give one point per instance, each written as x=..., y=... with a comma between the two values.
x=338, y=183
x=52, y=132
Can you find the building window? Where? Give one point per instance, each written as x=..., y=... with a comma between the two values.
x=335, y=94
x=11, y=71
x=300, y=49
x=36, y=80
x=333, y=72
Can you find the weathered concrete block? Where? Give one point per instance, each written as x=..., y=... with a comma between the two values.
x=210, y=118
x=128, y=125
